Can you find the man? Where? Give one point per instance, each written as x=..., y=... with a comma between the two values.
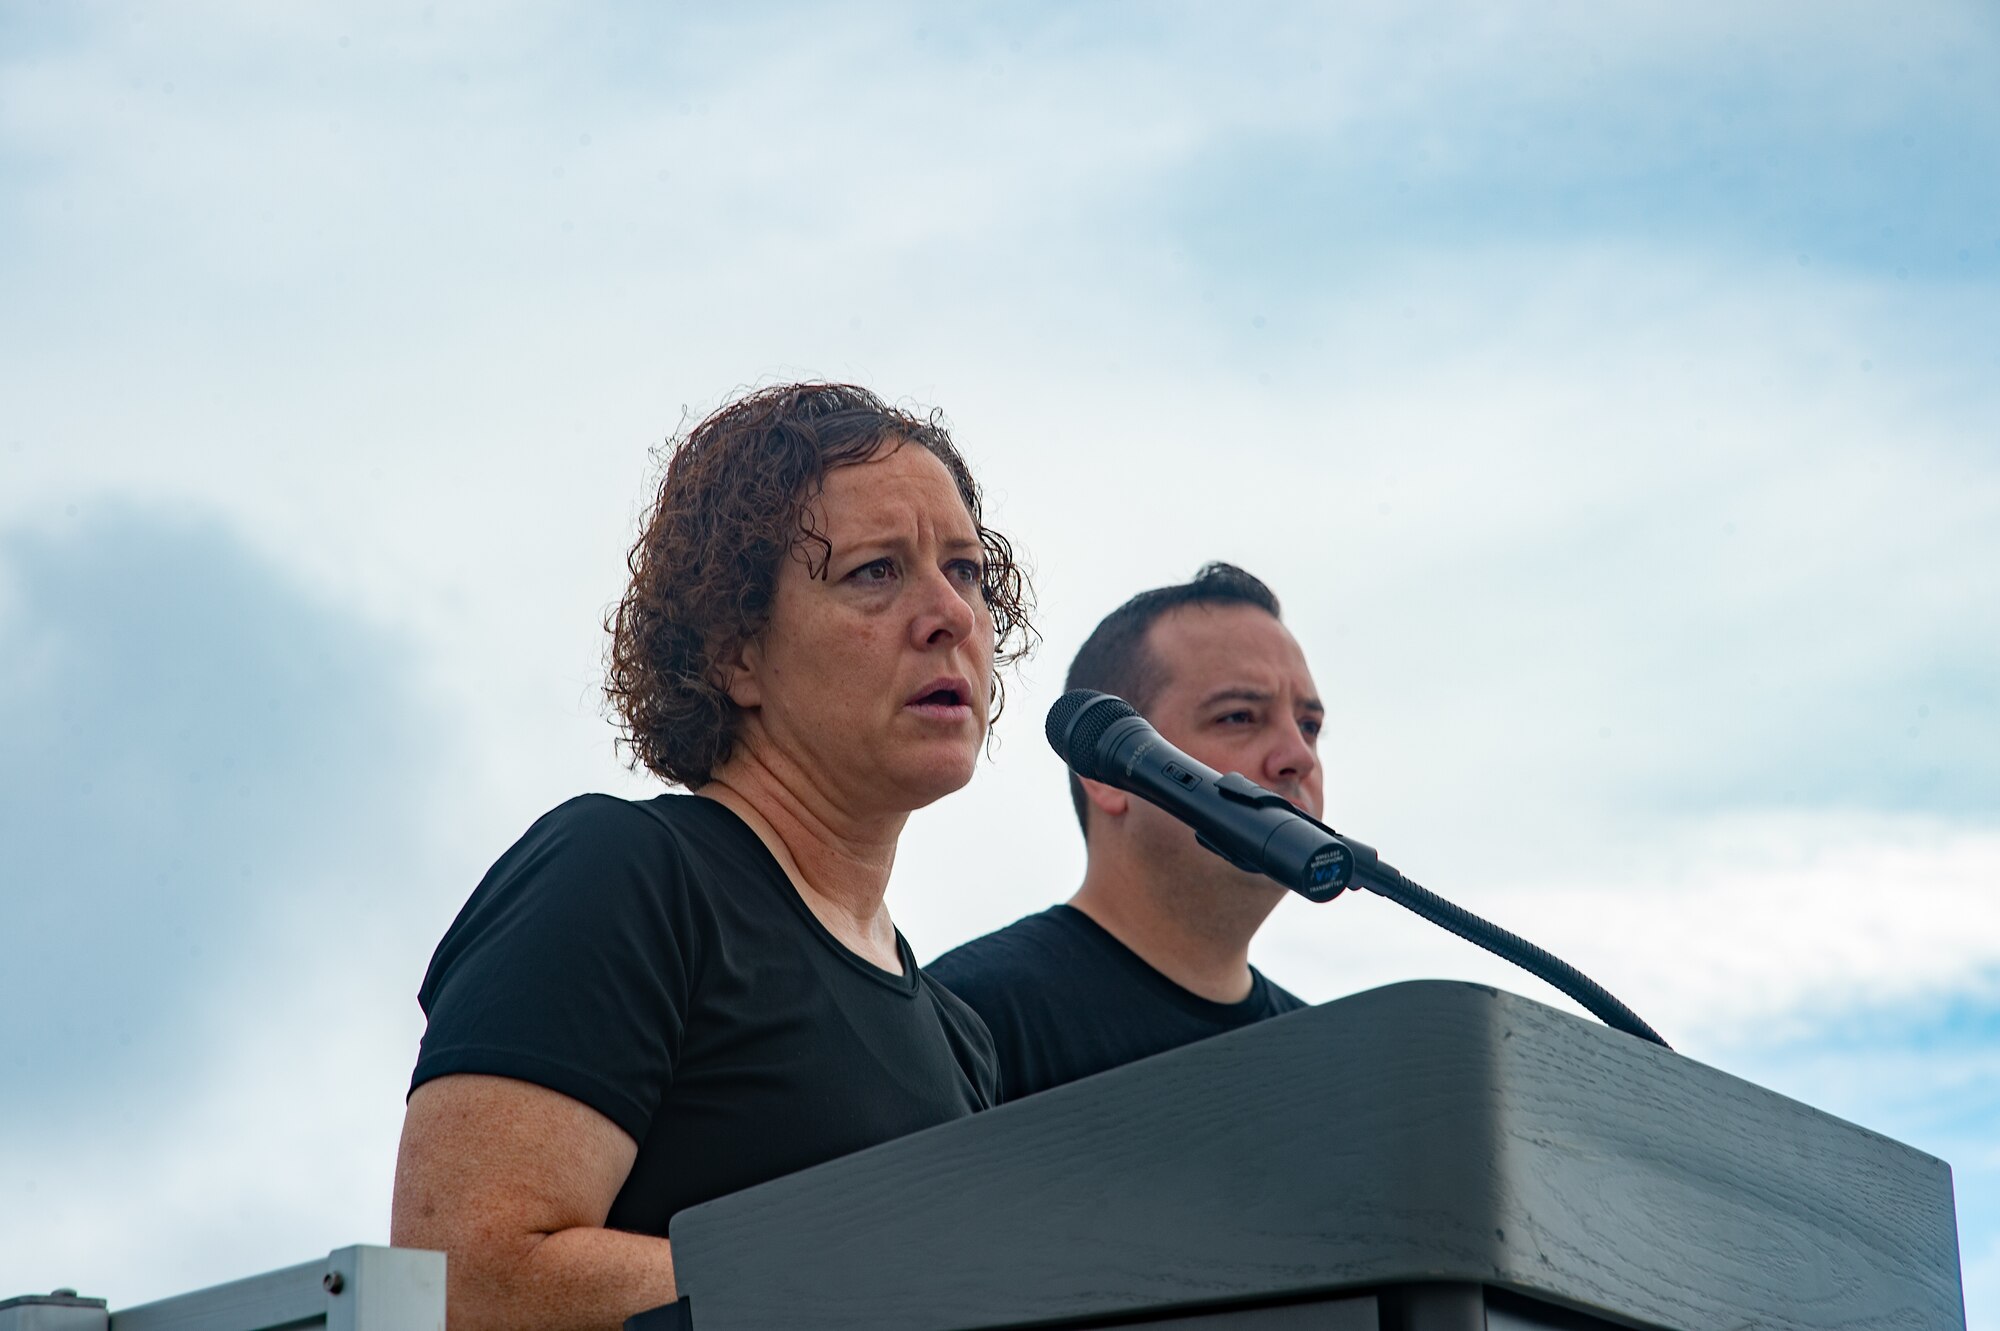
x=1153, y=951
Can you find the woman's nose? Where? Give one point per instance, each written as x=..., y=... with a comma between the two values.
x=946, y=614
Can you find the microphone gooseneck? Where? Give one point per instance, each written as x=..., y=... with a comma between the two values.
x=1102, y=738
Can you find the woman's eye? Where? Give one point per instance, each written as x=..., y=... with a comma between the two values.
x=875, y=570
x=968, y=572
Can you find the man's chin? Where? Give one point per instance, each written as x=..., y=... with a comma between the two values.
x=1242, y=880
x=1298, y=797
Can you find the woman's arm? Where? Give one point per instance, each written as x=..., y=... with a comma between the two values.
x=513, y=1182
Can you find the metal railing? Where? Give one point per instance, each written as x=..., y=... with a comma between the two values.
x=362, y=1288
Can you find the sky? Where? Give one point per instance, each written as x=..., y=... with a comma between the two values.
x=1612, y=395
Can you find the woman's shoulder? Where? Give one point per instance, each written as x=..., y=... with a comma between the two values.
x=612, y=820
x=608, y=839
x=600, y=812
x=586, y=841
x=598, y=874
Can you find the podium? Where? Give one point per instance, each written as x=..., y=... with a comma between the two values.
x=1429, y=1156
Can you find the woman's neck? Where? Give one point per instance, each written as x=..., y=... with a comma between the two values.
x=838, y=862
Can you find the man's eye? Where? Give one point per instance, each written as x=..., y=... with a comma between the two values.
x=1235, y=718
x=1311, y=727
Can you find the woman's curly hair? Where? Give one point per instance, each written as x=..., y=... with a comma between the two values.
x=735, y=499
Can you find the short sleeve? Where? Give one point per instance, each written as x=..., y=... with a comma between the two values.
x=572, y=964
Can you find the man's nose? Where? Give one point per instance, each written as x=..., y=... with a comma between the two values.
x=1290, y=759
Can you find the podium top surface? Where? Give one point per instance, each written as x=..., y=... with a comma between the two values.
x=1432, y=1130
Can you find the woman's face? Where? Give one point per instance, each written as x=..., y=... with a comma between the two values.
x=873, y=683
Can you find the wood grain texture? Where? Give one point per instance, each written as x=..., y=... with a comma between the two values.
x=1423, y=1131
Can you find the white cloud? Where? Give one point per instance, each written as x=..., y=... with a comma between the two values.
x=274, y=1144
x=1781, y=926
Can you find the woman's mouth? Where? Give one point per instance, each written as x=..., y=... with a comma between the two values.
x=945, y=698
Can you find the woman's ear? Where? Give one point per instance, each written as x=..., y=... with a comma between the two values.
x=1107, y=800
x=736, y=673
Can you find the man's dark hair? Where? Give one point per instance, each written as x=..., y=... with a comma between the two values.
x=1115, y=658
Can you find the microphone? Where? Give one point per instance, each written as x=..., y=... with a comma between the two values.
x=1102, y=738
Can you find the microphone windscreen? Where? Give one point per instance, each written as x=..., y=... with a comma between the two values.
x=1077, y=721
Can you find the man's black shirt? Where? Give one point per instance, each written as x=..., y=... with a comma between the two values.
x=1064, y=999
x=653, y=961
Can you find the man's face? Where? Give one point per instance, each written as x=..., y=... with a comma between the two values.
x=1238, y=696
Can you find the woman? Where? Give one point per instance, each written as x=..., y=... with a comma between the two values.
x=646, y=1005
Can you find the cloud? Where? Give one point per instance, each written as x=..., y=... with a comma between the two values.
x=212, y=803
x=1575, y=582
x=187, y=738
x=1837, y=159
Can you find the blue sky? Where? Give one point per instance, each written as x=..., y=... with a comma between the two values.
x=1611, y=396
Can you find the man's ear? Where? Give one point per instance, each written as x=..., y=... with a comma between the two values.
x=1107, y=800
x=736, y=673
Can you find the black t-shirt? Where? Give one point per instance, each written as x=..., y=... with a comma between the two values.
x=1064, y=999
x=653, y=961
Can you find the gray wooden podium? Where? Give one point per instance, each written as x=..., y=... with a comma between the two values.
x=1429, y=1156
